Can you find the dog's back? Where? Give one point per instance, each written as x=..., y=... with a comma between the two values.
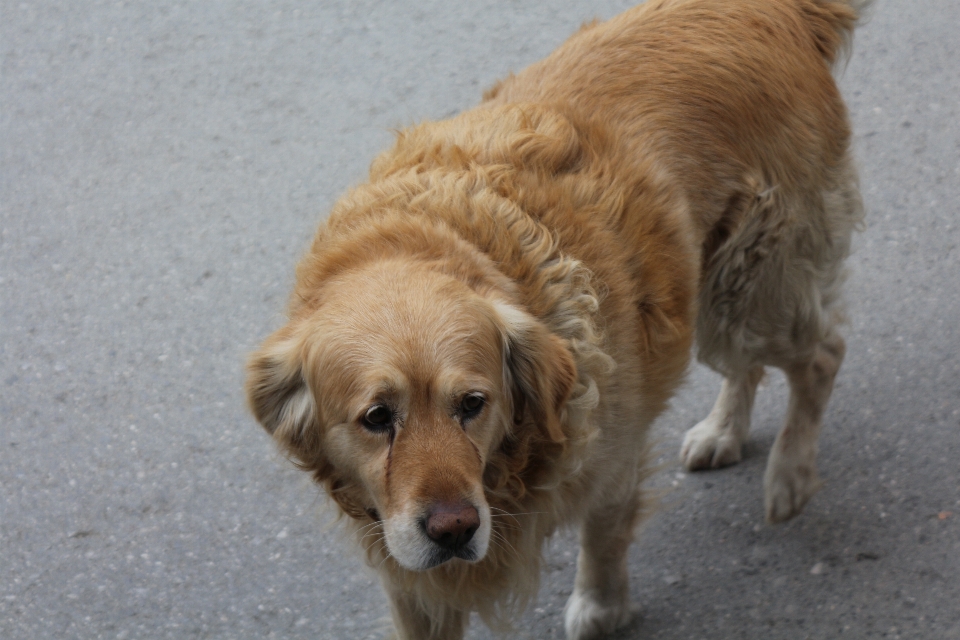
x=714, y=90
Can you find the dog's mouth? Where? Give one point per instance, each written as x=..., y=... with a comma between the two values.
x=441, y=556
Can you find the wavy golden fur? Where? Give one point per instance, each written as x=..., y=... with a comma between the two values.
x=550, y=252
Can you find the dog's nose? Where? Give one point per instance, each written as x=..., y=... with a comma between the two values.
x=452, y=525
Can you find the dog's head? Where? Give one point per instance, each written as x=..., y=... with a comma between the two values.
x=397, y=387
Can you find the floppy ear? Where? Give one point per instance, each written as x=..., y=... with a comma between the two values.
x=539, y=370
x=277, y=394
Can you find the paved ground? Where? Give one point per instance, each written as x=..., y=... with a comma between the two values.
x=162, y=166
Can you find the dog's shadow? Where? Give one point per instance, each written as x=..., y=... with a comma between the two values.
x=707, y=554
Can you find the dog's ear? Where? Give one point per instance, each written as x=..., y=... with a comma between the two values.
x=277, y=393
x=538, y=369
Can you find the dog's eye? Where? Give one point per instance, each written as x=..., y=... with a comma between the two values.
x=378, y=418
x=471, y=405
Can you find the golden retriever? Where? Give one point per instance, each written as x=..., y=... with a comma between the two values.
x=481, y=335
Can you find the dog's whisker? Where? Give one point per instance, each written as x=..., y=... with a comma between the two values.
x=511, y=553
x=513, y=515
x=505, y=524
x=376, y=537
x=386, y=556
x=501, y=542
x=370, y=525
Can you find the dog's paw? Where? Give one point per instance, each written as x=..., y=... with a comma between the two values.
x=707, y=446
x=586, y=619
x=788, y=485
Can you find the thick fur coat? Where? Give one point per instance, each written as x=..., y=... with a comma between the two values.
x=481, y=335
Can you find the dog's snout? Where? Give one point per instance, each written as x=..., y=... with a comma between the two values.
x=452, y=526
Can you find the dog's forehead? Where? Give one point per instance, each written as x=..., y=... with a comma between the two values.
x=395, y=299
x=397, y=321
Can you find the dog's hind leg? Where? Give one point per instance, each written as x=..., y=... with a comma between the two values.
x=807, y=347
x=718, y=439
x=771, y=295
x=791, y=477
x=600, y=602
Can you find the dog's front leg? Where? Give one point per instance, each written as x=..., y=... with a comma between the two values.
x=600, y=602
x=417, y=620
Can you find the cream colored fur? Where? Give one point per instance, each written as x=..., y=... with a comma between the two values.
x=489, y=326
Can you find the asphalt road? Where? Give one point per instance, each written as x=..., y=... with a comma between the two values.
x=163, y=164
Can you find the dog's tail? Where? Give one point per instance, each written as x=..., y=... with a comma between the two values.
x=831, y=23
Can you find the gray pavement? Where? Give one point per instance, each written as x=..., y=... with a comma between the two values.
x=163, y=164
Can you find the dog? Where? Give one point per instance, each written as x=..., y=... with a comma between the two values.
x=480, y=337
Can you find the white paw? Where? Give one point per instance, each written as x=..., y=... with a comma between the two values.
x=707, y=446
x=788, y=484
x=587, y=619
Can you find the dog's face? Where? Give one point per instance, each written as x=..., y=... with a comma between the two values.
x=397, y=388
